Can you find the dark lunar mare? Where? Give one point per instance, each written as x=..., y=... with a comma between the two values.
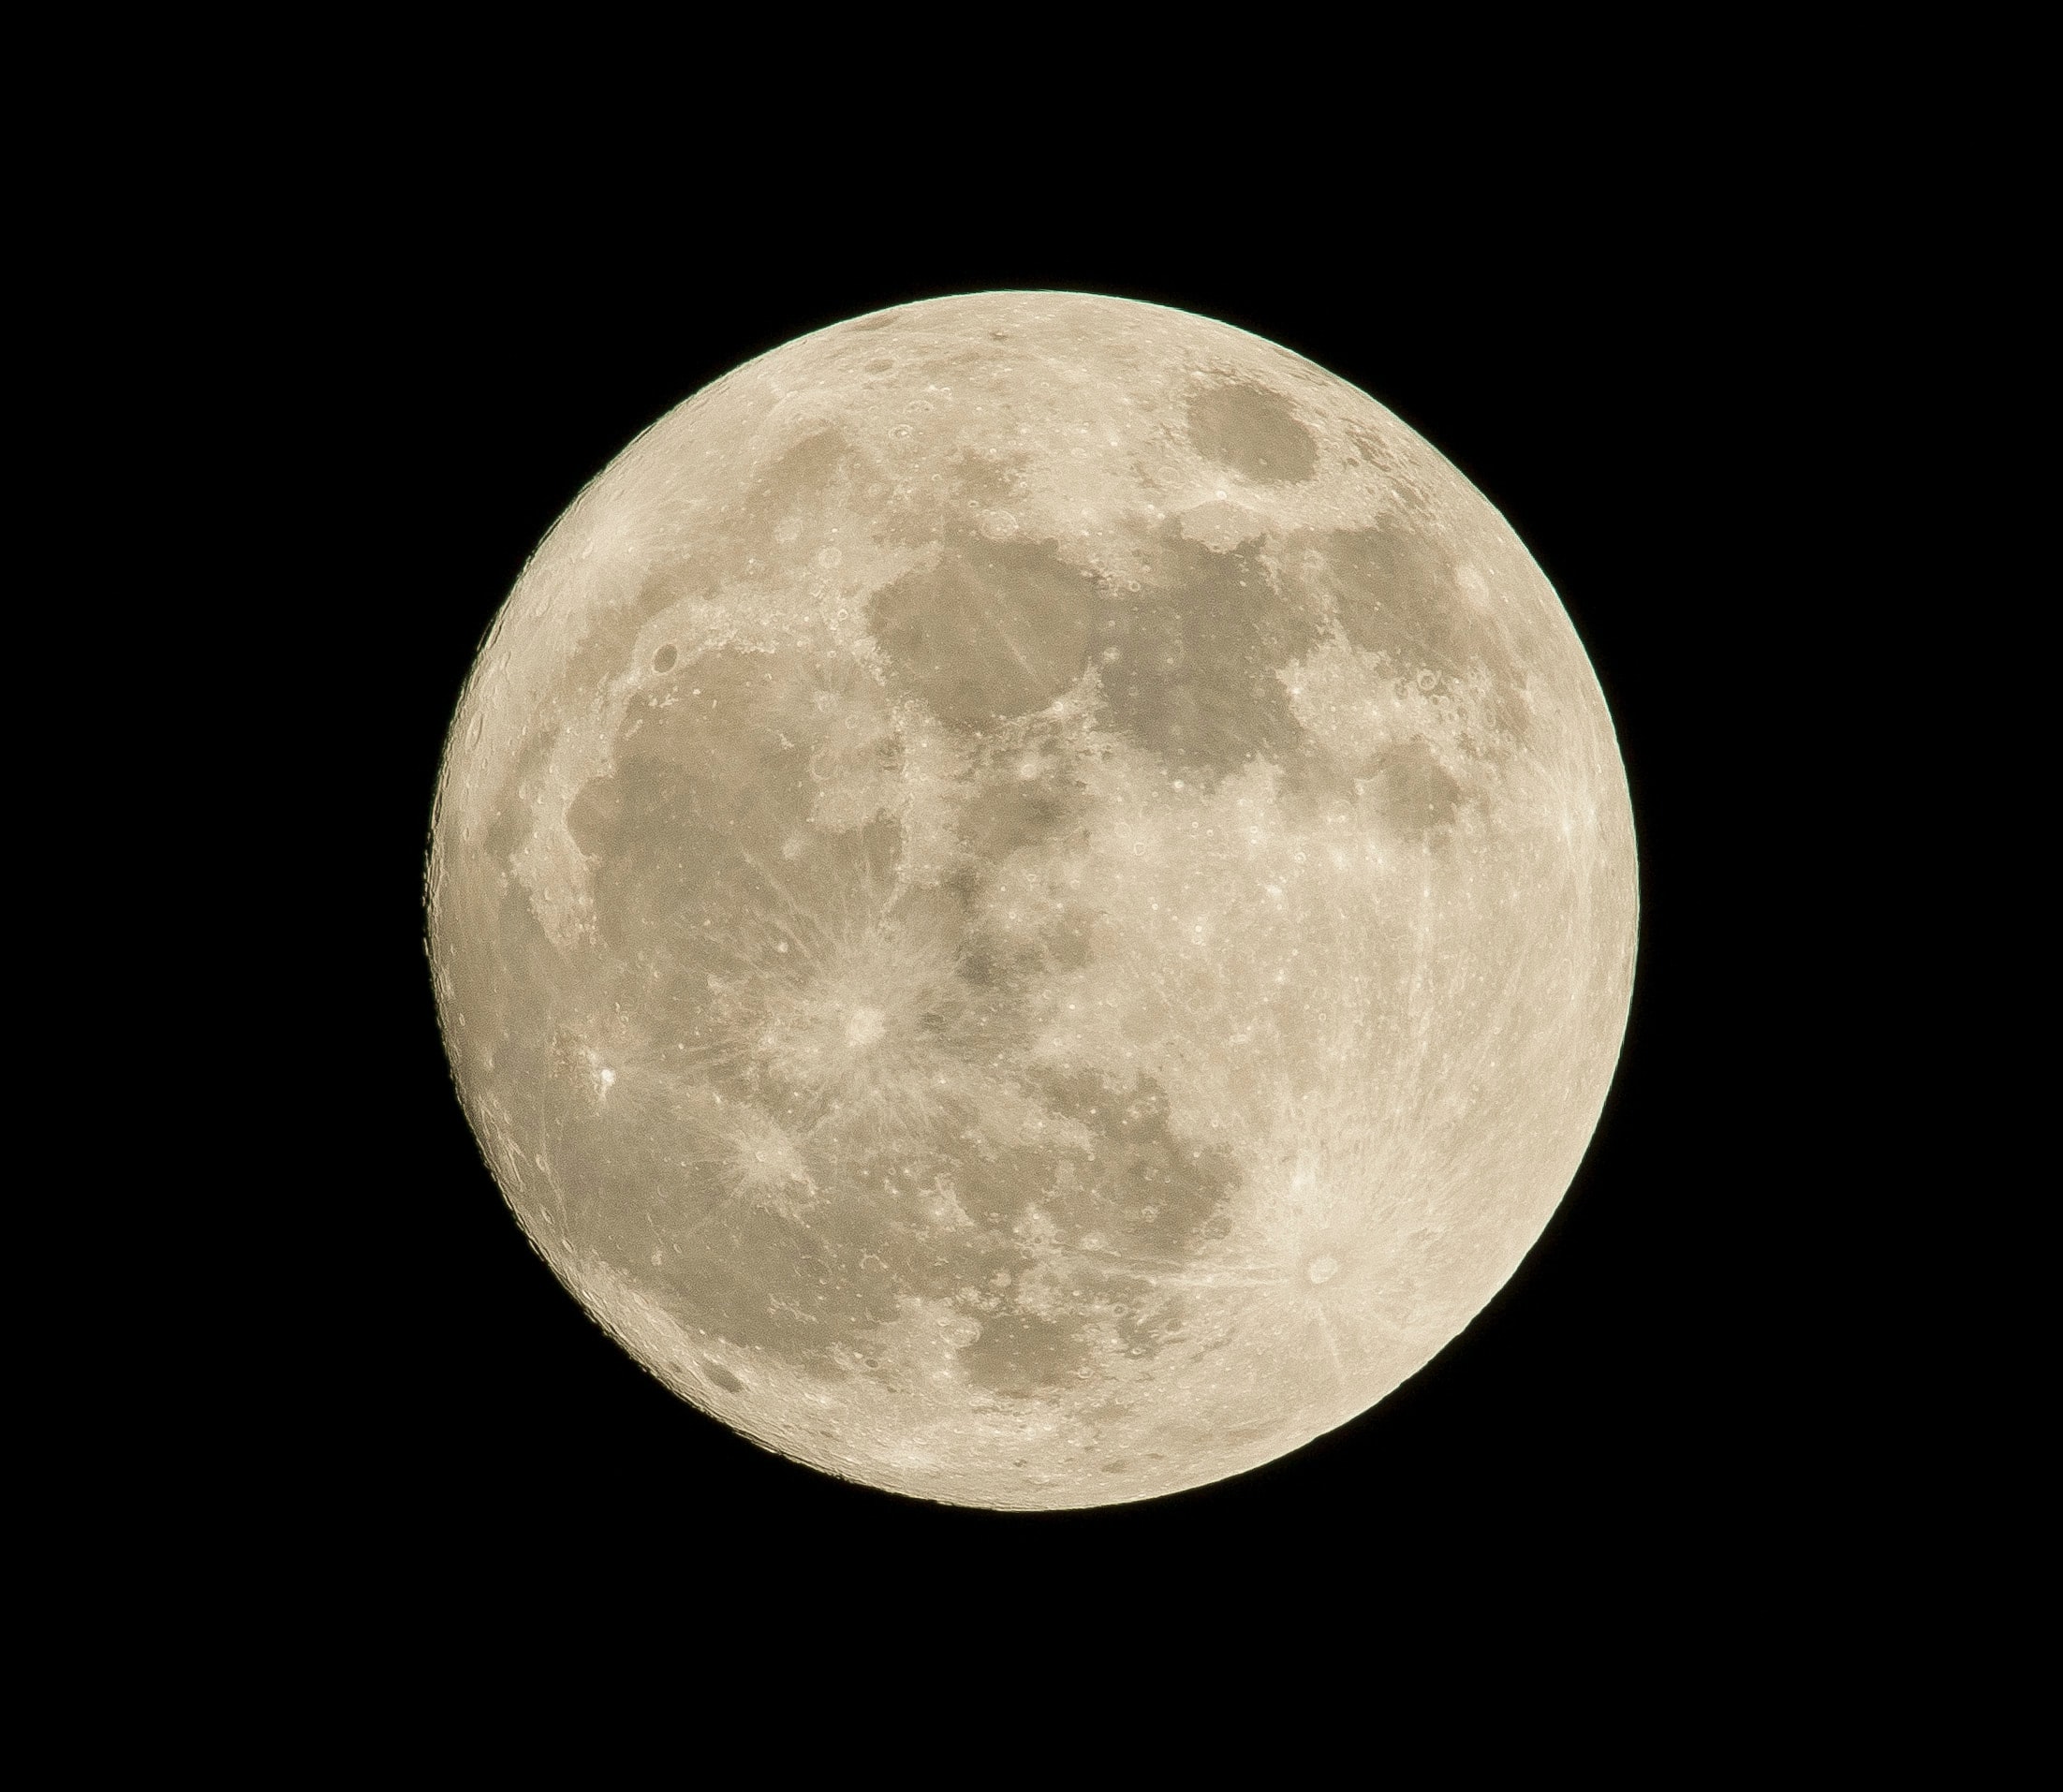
x=711, y=889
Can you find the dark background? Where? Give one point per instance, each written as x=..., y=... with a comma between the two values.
x=1604, y=1429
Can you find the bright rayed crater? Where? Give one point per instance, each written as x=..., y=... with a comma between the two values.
x=1031, y=900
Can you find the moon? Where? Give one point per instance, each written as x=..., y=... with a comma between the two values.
x=1032, y=901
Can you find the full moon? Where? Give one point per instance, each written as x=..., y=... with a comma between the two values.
x=1032, y=901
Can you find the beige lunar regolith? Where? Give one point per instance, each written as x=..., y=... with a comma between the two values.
x=1031, y=900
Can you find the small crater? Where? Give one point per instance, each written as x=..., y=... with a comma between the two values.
x=720, y=1376
x=664, y=659
x=1322, y=1269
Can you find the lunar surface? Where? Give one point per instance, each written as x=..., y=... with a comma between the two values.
x=1032, y=901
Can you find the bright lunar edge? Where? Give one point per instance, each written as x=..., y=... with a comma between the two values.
x=1032, y=901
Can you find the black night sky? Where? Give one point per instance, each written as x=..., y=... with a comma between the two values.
x=1601, y=1424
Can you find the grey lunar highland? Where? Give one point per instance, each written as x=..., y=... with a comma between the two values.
x=1032, y=901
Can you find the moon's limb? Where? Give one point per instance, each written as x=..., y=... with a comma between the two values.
x=1033, y=900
